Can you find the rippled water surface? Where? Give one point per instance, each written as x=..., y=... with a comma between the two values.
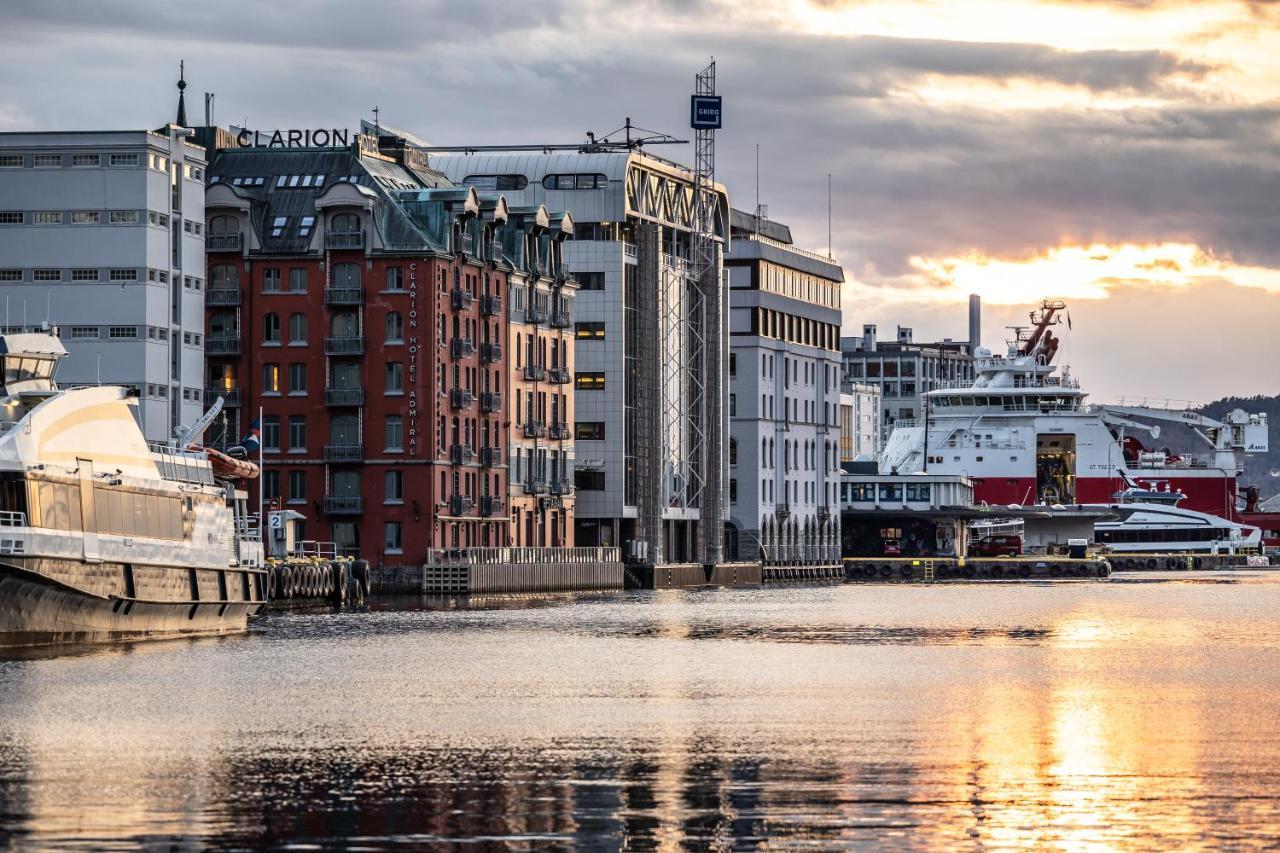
x=1135, y=713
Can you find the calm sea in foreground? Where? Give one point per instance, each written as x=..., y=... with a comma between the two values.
x=1129, y=713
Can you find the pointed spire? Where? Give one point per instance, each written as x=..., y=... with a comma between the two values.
x=182, y=98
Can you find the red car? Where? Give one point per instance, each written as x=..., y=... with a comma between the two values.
x=996, y=546
x=892, y=548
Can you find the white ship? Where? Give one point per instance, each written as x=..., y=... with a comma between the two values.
x=1152, y=522
x=102, y=535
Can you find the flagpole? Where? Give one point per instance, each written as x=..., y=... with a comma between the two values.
x=262, y=477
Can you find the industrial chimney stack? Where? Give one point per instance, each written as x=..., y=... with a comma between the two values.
x=975, y=322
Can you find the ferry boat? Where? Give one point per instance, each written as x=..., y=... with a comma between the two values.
x=1023, y=434
x=1152, y=522
x=103, y=535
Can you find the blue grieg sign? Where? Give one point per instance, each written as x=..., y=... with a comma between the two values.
x=704, y=112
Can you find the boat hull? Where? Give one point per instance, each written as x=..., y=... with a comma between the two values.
x=38, y=610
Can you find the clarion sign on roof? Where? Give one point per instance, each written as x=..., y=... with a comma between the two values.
x=293, y=138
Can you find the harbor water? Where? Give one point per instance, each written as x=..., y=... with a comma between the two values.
x=1137, y=712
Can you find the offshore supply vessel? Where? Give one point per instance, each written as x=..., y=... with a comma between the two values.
x=1022, y=432
x=102, y=534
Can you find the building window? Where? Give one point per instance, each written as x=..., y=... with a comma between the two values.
x=271, y=435
x=278, y=225
x=10, y=275
x=271, y=485
x=297, y=328
x=48, y=217
x=589, y=331
x=588, y=481
x=297, y=487
x=306, y=226
x=223, y=225
x=123, y=275
x=84, y=275
x=46, y=275
x=86, y=159
x=271, y=328
x=589, y=381
x=733, y=491
x=45, y=161
x=589, y=430
x=394, y=491
x=85, y=217
x=123, y=217
x=733, y=364
x=124, y=160
x=395, y=433
x=224, y=277
x=122, y=333
x=346, y=275
x=395, y=278
x=11, y=161
x=271, y=280
x=733, y=405
x=12, y=217
x=575, y=182
x=297, y=432
x=298, y=378
x=392, y=539
x=270, y=378
x=590, y=280
x=496, y=183
x=298, y=280
x=84, y=333
x=395, y=377
x=395, y=328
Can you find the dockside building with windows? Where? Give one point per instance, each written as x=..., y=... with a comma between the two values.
x=102, y=233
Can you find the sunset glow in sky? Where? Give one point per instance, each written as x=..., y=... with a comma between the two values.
x=1104, y=151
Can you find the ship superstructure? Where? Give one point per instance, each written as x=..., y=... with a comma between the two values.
x=102, y=534
x=1023, y=434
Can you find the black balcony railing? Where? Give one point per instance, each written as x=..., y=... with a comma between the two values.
x=230, y=399
x=344, y=295
x=343, y=452
x=491, y=402
x=461, y=454
x=490, y=456
x=462, y=347
x=491, y=352
x=461, y=398
x=344, y=239
x=535, y=373
x=223, y=242
x=343, y=504
x=460, y=504
x=559, y=376
x=535, y=429
x=536, y=487
x=490, y=505
x=344, y=396
x=462, y=299
x=558, y=431
x=536, y=313
x=222, y=345
x=562, y=318
x=344, y=345
x=561, y=487
x=224, y=297
x=491, y=306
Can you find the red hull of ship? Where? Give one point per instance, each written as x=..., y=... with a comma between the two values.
x=1214, y=495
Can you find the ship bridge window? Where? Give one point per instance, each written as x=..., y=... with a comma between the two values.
x=496, y=183
x=18, y=369
x=579, y=182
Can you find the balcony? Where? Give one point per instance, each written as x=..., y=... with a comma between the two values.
x=561, y=272
x=222, y=345
x=223, y=242
x=344, y=453
x=344, y=396
x=462, y=347
x=491, y=306
x=344, y=296
x=535, y=373
x=461, y=454
x=562, y=487
x=536, y=487
x=535, y=429
x=230, y=398
x=343, y=504
x=562, y=319
x=491, y=352
x=490, y=505
x=490, y=457
x=462, y=299
x=344, y=239
x=495, y=251
x=460, y=504
x=462, y=242
x=536, y=313
x=344, y=345
x=461, y=398
x=491, y=402
x=559, y=431
x=560, y=376
x=226, y=297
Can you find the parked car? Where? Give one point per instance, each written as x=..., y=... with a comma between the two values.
x=1004, y=545
x=892, y=548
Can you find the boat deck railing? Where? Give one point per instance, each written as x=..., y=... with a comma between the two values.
x=185, y=466
x=248, y=529
x=312, y=548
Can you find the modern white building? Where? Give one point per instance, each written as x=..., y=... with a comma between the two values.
x=784, y=403
x=634, y=323
x=101, y=234
x=860, y=435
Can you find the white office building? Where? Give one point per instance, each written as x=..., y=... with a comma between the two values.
x=860, y=435
x=101, y=234
x=633, y=214
x=784, y=405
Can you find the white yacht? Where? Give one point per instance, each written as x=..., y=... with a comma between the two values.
x=103, y=536
x=1152, y=522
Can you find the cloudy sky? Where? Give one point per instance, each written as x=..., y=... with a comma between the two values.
x=1118, y=153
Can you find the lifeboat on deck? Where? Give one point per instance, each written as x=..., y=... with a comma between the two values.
x=228, y=468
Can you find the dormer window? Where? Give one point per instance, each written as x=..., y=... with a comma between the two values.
x=277, y=226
